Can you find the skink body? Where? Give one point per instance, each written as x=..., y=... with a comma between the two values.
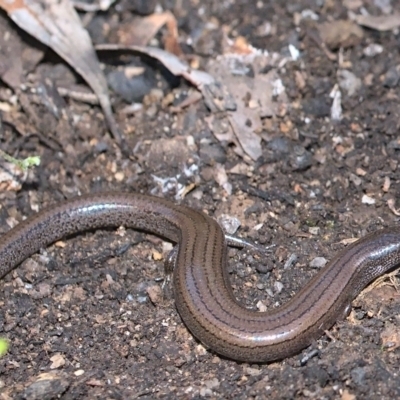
x=203, y=294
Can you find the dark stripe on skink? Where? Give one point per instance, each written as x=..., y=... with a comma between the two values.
x=202, y=293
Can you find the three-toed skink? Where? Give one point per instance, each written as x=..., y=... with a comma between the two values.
x=203, y=294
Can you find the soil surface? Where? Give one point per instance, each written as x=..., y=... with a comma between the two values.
x=86, y=317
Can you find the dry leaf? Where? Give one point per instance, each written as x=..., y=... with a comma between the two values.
x=170, y=61
x=57, y=25
x=244, y=120
x=255, y=98
x=380, y=23
x=17, y=57
x=144, y=29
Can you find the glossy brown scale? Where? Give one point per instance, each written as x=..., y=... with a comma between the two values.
x=203, y=295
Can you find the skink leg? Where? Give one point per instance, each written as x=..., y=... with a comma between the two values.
x=240, y=243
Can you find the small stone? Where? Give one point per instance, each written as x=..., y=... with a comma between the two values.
x=314, y=230
x=79, y=372
x=367, y=200
x=229, y=224
x=372, y=50
x=155, y=294
x=349, y=82
x=318, y=262
x=278, y=287
x=253, y=371
x=392, y=77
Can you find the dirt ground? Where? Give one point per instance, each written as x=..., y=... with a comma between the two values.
x=86, y=318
